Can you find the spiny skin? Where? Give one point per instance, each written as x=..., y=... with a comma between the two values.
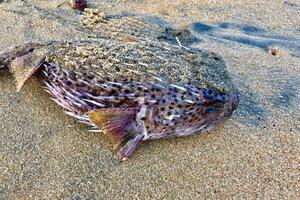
x=128, y=27
x=135, y=90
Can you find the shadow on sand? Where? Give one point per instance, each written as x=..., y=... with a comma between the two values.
x=249, y=35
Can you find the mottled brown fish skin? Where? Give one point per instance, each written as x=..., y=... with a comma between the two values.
x=136, y=91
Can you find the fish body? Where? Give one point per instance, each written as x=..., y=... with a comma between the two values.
x=134, y=91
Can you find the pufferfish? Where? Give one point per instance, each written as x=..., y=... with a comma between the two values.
x=133, y=91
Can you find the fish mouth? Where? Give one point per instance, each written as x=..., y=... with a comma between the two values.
x=221, y=104
x=235, y=101
x=232, y=104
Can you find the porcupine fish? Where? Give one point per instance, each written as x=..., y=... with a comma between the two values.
x=133, y=91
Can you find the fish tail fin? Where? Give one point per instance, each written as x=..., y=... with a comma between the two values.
x=119, y=122
x=22, y=61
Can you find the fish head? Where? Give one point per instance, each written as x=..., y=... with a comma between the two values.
x=211, y=108
x=216, y=106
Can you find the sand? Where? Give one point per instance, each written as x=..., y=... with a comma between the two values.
x=45, y=154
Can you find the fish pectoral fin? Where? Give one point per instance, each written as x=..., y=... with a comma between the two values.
x=120, y=124
x=117, y=122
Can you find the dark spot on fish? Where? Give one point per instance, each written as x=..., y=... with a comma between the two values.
x=173, y=128
x=146, y=91
x=198, y=117
x=72, y=75
x=169, y=113
x=117, y=69
x=143, y=118
x=179, y=106
x=163, y=101
x=209, y=97
x=171, y=107
x=198, y=109
x=90, y=88
x=193, y=115
x=116, y=86
x=96, y=92
x=162, y=109
x=126, y=91
x=139, y=88
x=185, y=118
x=113, y=92
x=153, y=96
x=69, y=83
x=90, y=76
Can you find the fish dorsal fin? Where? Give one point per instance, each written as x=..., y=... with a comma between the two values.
x=119, y=122
x=114, y=121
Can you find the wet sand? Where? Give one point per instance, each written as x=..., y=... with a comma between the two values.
x=45, y=154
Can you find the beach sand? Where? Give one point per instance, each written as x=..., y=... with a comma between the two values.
x=45, y=154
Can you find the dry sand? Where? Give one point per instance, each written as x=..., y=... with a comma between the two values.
x=44, y=154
